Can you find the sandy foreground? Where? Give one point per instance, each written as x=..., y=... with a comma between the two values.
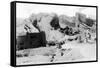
x=73, y=52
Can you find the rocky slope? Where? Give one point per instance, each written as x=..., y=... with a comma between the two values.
x=74, y=36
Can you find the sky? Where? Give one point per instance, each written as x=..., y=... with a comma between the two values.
x=24, y=10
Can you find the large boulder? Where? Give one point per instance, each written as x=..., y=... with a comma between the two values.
x=45, y=24
x=55, y=35
x=66, y=21
x=85, y=20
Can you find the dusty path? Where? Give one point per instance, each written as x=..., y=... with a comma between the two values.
x=74, y=52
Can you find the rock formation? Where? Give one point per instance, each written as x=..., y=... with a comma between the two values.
x=57, y=27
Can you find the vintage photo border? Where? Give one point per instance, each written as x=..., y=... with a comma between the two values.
x=13, y=33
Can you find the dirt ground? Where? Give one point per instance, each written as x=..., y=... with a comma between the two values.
x=73, y=52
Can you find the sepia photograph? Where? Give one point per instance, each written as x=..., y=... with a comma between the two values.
x=48, y=33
